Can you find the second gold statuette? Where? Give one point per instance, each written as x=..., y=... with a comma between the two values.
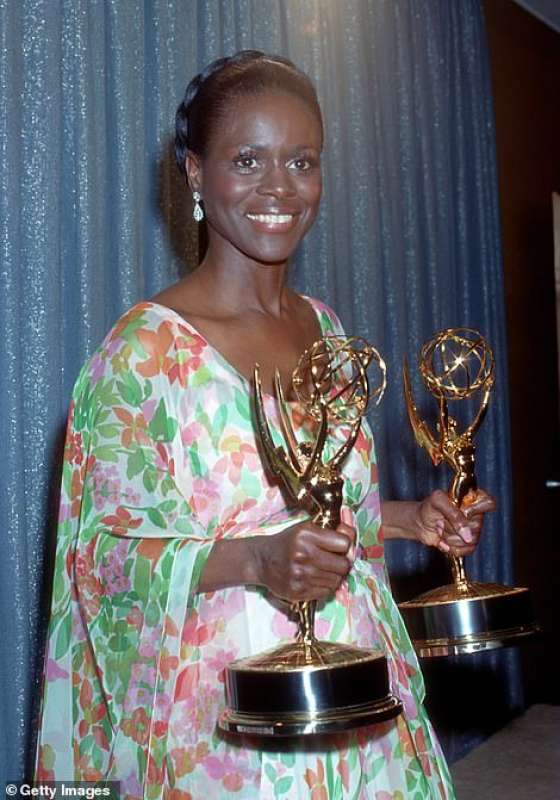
x=464, y=616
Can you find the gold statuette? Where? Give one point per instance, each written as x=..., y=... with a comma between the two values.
x=310, y=686
x=464, y=616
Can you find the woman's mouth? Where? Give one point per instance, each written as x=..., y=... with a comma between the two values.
x=272, y=221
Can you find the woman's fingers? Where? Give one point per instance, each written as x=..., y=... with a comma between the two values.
x=450, y=529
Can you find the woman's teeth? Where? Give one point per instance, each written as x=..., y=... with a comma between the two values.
x=271, y=219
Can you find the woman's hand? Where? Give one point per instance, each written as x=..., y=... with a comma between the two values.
x=305, y=562
x=441, y=524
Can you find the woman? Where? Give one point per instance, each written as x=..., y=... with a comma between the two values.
x=175, y=543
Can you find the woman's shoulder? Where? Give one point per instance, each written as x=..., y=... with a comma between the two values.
x=328, y=318
x=149, y=342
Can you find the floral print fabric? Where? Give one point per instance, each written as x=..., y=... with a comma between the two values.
x=160, y=462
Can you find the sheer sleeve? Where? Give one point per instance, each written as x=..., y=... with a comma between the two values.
x=129, y=554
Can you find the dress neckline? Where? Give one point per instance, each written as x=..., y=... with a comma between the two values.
x=218, y=355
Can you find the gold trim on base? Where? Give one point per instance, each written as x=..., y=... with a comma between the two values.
x=475, y=643
x=303, y=723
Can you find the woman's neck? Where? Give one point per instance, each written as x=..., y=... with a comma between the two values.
x=238, y=284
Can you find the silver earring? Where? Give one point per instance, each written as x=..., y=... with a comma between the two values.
x=197, y=213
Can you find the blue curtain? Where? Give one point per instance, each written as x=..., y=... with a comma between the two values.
x=94, y=217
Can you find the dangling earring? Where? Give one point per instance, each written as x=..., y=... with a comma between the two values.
x=197, y=213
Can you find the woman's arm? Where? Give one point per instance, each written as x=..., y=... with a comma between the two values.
x=303, y=562
x=435, y=521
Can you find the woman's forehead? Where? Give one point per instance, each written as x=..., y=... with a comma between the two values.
x=268, y=119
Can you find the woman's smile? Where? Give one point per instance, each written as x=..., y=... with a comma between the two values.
x=272, y=221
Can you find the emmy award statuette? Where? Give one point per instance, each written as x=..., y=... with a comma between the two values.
x=464, y=616
x=309, y=686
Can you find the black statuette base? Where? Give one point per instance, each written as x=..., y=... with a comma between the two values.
x=274, y=694
x=471, y=624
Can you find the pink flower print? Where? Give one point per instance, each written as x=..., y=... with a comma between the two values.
x=106, y=485
x=131, y=497
x=205, y=499
x=224, y=769
x=322, y=627
x=221, y=609
x=149, y=409
x=111, y=570
x=114, y=345
x=191, y=433
x=237, y=455
x=282, y=626
x=197, y=711
x=143, y=673
x=96, y=367
x=53, y=671
x=150, y=642
x=130, y=787
x=164, y=704
x=219, y=662
x=137, y=697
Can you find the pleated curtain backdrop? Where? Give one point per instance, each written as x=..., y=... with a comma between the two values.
x=93, y=217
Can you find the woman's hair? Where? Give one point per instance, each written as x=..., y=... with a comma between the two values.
x=209, y=95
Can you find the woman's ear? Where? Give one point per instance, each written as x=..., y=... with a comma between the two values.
x=193, y=170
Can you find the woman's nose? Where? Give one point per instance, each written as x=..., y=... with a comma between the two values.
x=277, y=182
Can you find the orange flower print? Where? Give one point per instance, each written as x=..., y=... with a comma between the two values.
x=157, y=345
x=135, y=427
x=177, y=794
x=137, y=727
x=73, y=453
x=189, y=348
x=315, y=780
x=121, y=522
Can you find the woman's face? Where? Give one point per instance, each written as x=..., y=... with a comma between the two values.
x=260, y=179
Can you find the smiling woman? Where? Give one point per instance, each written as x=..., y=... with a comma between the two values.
x=175, y=546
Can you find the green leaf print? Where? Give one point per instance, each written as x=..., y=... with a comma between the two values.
x=411, y=780
x=242, y=404
x=330, y=774
x=63, y=637
x=282, y=785
x=271, y=773
x=201, y=376
x=152, y=614
x=150, y=478
x=108, y=431
x=218, y=425
x=107, y=453
x=167, y=506
x=377, y=766
x=142, y=578
x=157, y=518
x=288, y=759
x=162, y=427
x=130, y=389
x=195, y=463
x=339, y=620
x=141, y=758
x=135, y=463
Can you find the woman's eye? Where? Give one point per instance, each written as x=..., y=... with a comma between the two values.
x=301, y=164
x=246, y=162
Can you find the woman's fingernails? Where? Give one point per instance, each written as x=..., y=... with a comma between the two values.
x=466, y=534
x=444, y=547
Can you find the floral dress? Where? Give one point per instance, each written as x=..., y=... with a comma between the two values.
x=160, y=462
